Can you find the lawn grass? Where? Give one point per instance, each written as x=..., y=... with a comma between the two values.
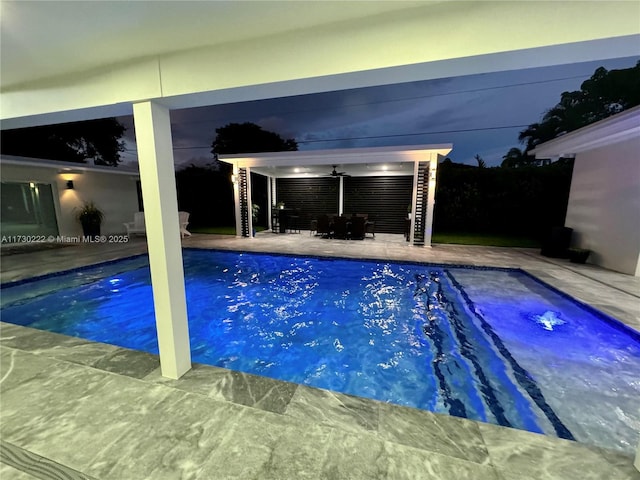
x=461, y=238
x=227, y=230
x=214, y=230
x=486, y=239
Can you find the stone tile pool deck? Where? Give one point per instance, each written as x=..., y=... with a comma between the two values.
x=71, y=408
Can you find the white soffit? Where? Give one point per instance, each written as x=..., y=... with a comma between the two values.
x=617, y=128
x=70, y=61
x=355, y=161
x=65, y=167
x=44, y=39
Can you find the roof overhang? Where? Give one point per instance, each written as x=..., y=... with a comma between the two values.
x=65, y=167
x=617, y=128
x=72, y=61
x=360, y=162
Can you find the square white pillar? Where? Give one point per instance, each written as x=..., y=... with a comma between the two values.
x=157, y=176
x=249, y=204
x=341, y=196
x=269, y=209
x=431, y=199
x=236, y=199
x=414, y=201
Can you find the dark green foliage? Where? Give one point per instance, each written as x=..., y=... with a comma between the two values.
x=523, y=201
x=89, y=213
x=71, y=142
x=602, y=95
x=207, y=194
x=249, y=138
x=516, y=158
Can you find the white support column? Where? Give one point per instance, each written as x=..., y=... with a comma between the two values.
x=269, y=203
x=341, y=197
x=236, y=198
x=431, y=200
x=249, y=204
x=414, y=201
x=157, y=175
x=274, y=198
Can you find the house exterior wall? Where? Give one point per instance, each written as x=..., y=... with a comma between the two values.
x=604, y=205
x=114, y=194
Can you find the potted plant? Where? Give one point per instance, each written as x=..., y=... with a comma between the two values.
x=578, y=255
x=90, y=216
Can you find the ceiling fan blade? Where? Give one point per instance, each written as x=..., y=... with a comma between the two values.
x=335, y=174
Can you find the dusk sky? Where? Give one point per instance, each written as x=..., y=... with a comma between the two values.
x=478, y=114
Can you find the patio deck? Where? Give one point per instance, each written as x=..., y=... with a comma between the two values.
x=89, y=410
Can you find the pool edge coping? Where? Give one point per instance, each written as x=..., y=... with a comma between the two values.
x=550, y=438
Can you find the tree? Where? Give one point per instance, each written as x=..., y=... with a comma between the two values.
x=249, y=138
x=480, y=160
x=207, y=194
x=201, y=187
x=71, y=142
x=602, y=95
x=515, y=158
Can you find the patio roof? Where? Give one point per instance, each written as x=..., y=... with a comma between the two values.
x=360, y=162
x=70, y=61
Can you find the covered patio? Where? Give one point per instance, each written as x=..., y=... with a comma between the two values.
x=419, y=162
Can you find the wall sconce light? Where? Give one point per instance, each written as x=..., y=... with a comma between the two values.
x=234, y=178
x=69, y=184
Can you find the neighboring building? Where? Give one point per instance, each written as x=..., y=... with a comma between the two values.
x=38, y=200
x=604, y=201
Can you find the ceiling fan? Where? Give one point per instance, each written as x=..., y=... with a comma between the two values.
x=336, y=174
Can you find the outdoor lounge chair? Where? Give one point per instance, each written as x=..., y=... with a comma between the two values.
x=136, y=227
x=184, y=221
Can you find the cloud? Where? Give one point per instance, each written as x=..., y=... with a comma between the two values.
x=458, y=110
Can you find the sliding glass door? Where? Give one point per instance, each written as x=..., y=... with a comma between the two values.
x=27, y=209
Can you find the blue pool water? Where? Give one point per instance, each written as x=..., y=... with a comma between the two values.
x=493, y=345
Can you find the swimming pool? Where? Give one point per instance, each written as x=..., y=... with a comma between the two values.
x=493, y=345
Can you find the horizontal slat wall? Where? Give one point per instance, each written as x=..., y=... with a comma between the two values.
x=384, y=199
x=312, y=196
